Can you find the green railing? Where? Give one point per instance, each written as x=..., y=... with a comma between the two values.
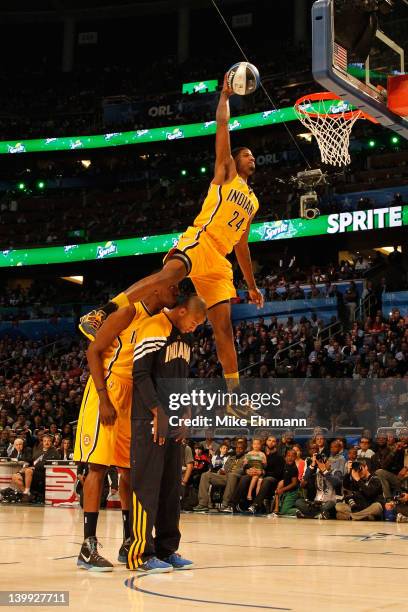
x=386, y=217
x=117, y=139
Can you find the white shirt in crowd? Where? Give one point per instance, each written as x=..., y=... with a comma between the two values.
x=365, y=454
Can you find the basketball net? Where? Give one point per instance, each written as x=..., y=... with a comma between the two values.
x=331, y=125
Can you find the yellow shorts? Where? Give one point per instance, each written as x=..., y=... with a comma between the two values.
x=97, y=443
x=209, y=270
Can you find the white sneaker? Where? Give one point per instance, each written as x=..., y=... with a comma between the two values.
x=401, y=518
x=227, y=509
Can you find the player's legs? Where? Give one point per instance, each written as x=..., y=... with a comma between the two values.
x=94, y=445
x=167, y=530
x=92, y=495
x=212, y=277
x=172, y=273
x=167, y=533
x=121, y=458
x=147, y=463
x=124, y=494
x=88, y=557
x=124, y=488
x=220, y=319
x=174, y=270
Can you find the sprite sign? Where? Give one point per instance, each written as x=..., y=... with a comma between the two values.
x=361, y=220
x=200, y=87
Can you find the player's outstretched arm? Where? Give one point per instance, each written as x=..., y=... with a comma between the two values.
x=224, y=164
x=243, y=256
x=105, y=337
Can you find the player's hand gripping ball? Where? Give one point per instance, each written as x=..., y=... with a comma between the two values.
x=243, y=78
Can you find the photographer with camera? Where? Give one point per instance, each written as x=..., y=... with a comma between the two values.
x=321, y=479
x=364, y=498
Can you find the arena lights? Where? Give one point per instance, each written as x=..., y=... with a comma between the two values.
x=40, y=184
x=203, y=169
x=183, y=172
x=21, y=186
x=394, y=139
x=371, y=143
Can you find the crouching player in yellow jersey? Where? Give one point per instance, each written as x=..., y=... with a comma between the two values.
x=103, y=434
x=222, y=226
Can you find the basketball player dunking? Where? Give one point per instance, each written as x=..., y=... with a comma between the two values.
x=222, y=226
x=103, y=433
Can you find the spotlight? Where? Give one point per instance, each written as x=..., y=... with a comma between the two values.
x=40, y=184
x=203, y=169
x=371, y=143
x=184, y=172
x=21, y=186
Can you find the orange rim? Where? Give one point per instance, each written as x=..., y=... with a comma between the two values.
x=327, y=95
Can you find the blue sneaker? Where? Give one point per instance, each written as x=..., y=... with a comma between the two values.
x=155, y=566
x=178, y=562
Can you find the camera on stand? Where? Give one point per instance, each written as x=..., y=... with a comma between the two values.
x=308, y=205
x=306, y=183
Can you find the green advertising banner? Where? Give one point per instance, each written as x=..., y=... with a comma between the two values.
x=200, y=87
x=116, y=139
x=362, y=220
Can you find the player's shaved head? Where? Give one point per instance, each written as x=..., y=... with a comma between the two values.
x=195, y=304
x=189, y=314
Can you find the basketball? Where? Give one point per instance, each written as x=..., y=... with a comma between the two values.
x=243, y=78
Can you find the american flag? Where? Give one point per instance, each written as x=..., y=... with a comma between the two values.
x=340, y=57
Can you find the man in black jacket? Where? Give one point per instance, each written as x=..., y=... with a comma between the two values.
x=273, y=474
x=365, y=499
x=20, y=451
x=395, y=477
x=383, y=456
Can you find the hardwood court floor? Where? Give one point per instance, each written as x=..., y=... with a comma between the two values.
x=241, y=563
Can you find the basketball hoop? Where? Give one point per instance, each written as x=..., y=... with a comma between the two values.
x=331, y=125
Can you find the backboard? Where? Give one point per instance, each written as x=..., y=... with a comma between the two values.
x=364, y=84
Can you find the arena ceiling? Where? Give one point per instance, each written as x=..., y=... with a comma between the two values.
x=54, y=10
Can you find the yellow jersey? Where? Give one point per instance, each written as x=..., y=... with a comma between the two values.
x=118, y=358
x=226, y=212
